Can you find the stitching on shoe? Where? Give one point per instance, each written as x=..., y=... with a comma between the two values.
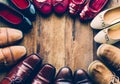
x=13, y=59
x=7, y=36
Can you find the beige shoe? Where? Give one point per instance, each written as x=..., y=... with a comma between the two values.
x=9, y=55
x=110, y=55
x=9, y=35
x=109, y=35
x=106, y=18
x=101, y=74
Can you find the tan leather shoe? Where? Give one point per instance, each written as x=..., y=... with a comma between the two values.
x=10, y=55
x=110, y=55
x=109, y=35
x=101, y=74
x=9, y=35
x=106, y=18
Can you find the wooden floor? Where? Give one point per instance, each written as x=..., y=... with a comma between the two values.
x=62, y=41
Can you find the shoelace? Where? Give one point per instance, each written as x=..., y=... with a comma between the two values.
x=114, y=79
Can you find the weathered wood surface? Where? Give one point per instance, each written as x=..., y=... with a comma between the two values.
x=62, y=41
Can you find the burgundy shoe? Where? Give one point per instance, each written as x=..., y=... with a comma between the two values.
x=25, y=7
x=22, y=71
x=14, y=18
x=60, y=6
x=45, y=75
x=43, y=6
x=76, y=6
x=64, y=76
x=92, y=8
x=81, y=77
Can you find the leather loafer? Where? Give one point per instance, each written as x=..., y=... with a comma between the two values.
x=64, y=76
x=9, y=36
x=22, y=71
x=45, y=75
x=81, y=77
x=10, y=55
x=14, y=18
x=92, y=8
x=76, y=6
x=25, y=6
x=60, y=6
x=43, y=6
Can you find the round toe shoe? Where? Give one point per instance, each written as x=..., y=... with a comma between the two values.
x=64, y=76
x=43, y=6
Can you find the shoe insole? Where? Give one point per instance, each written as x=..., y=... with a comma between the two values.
x=22, y=4
x=10, y=16
x=114, y=31
x=97, y=4
x=79, y=1
x=112, y=16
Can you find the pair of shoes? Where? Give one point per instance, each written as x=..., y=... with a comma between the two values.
x=64, y=76
x=14, y=18
x=87, y=9
x=109, y=55
x=46, y=6
x=23, y=71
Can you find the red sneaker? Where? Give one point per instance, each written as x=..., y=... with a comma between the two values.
x=43, y=6
x=76, y=6
x=60, y=6
x=92, y=8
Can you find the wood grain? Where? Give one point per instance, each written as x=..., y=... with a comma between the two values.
x=62, y=41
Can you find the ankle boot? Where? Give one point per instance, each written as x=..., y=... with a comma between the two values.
x=101, y=74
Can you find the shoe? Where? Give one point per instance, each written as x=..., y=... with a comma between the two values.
x=9, y=36
x=101, y=74
x=10, y=55
x=109, y=35
x=81, y=77
x=21, y=72
x=110, y=55
x=60, y=6
x=43, y=6
x=45, y=75
x=14, y=18
x=92, y=8
x=25, y=7
x=76, y=6
x=106, y=18
x=64, y=76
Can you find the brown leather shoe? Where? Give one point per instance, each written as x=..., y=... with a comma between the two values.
x=81, y=77
x=45, y=75
x=110, y=55
x=9, y=35
x=23, y=70
x=64, y=76
x=9, y=55
x=101, y=74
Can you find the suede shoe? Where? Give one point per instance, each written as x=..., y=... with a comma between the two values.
x=64, y=76
x=45, y=75
x=21, y=72
x=25, y=7
x=101, y=74
x=81, y=77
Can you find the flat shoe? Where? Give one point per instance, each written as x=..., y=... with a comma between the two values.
x=43, y=6
x=106, y=18
x=109, y=35
x=25, y=7
x=92, y=8
x=60, y=6
x=22, y=71
x=14, y=18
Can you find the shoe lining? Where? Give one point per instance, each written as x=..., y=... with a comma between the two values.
x=97, y=5
x=10, y=16
x=22, y=4
x=112, y=16
x=114, y=31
